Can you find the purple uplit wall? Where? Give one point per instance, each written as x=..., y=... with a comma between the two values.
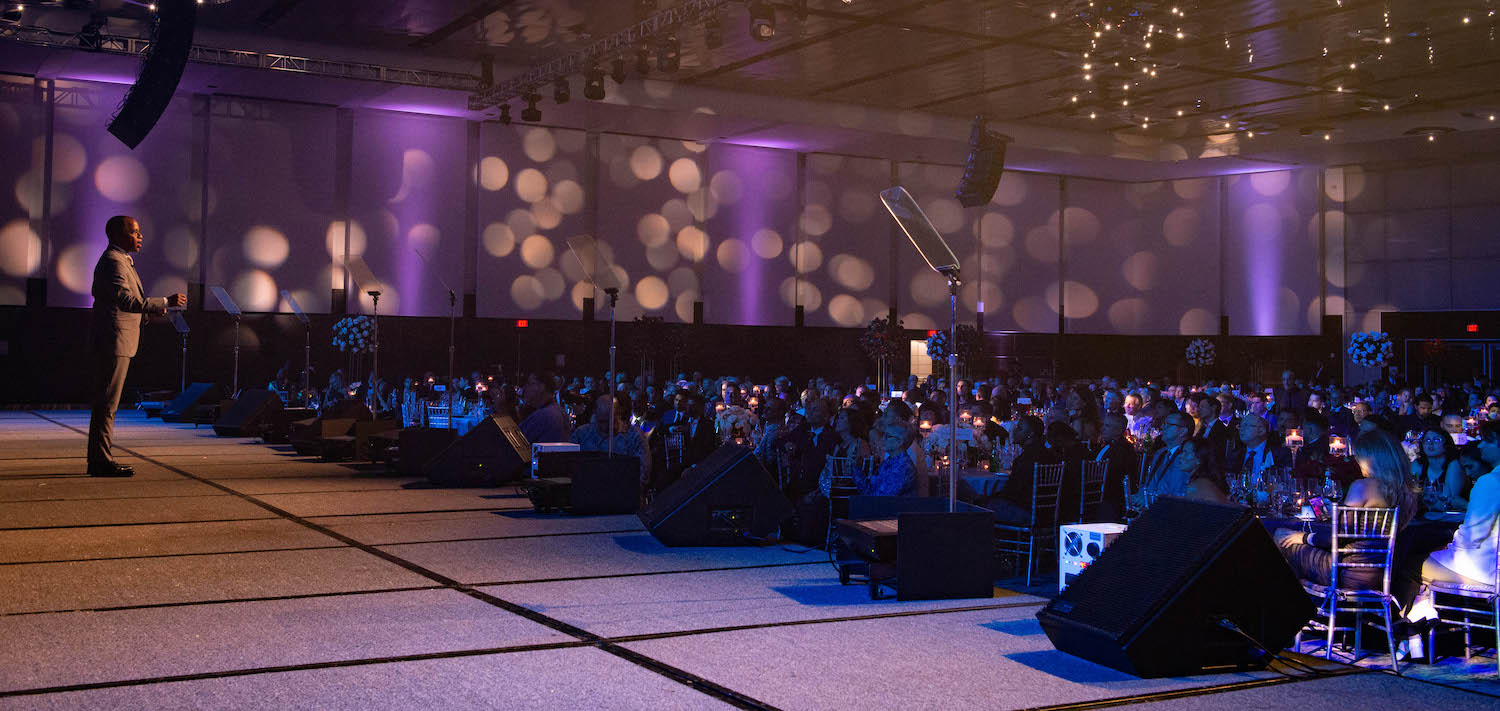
x=756, y=213
x=271, y=209
x=1018, y=240
x=21, y=250
x=1271, y=254
x=532, y=199
x=407, y=197
x=95, y=176
x=653, y=204
x=1141, y=258
x=923, y=291
x=843, y=260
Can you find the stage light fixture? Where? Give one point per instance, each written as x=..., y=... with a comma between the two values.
x=762, y=20
x=505, y=114
x=669, y=53
x=531, y=113
x=642, y=60
x=617, y=70
x=593, y=84
x=561, y=91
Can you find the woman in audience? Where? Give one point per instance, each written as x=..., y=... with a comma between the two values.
x=852, y=451
x=1439, y=473
x=898, y=471
x=773, y=425
x=1207, y=482
x=1083, y=413
x=1385, y=467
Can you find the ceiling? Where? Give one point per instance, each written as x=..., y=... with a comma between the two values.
x=1256, y=64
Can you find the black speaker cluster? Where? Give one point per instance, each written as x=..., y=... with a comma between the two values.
x=985, y=164
x=161, y=70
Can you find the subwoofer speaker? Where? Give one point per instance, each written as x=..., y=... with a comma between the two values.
x=161, y=69
x=492, y=453
x=1153, y=603
x=186, y=406
x=728, y=499
x=985, y=165
x=250, y=411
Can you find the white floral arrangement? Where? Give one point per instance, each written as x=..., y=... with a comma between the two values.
x=354, y=334
x=1200, y=353
x=1370, y=349
x=936, y=442
x=734, y=421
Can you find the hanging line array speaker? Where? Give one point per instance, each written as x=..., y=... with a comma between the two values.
x=986, y=163
x=166, y=57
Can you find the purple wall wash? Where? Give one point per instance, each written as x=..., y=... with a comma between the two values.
x=22, y=123
x=1142, y=258
x=407, y=195
x=95, y=177
x=1018, y=237
x=755, y=218
x=1271, y=253
x=271, y=204
x=533, y=197
x=843, y=260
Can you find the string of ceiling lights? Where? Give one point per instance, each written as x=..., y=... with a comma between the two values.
x=1121, y=46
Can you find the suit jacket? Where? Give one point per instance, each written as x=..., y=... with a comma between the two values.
x=1310, y=456
x=1170, y=471
x=120, y=305
x=1124, y=461
x=1018, y=486
x=1220, y=440
x=1277, y=456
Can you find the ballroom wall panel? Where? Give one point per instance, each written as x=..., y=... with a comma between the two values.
x=1272, y=274
x=752, y=227
x=1019, y=244
x=407, y=202
x=95, y=177
x=272, y=221
x=23, y=123
x=652, y=207
x=1141, y=258
x=533, y=197
x=843, y=254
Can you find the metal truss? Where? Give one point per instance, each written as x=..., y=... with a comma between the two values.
x=136, y=46
x=685, y=13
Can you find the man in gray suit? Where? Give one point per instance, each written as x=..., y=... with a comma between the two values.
x=1174, y=464
x=120, y=307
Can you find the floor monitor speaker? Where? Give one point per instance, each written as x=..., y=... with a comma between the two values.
x=187, y=404
x=491, y=453
x=728, y=499
x=1154, y=603
x=252, y=409
x=587, y=483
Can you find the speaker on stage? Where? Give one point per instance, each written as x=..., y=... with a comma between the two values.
x=249, y=412
x=1151, y=605
x=187, y=404
x=493, y=452
x=587, y=483
x=725, y=500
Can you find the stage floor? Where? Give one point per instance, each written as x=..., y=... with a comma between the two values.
x=231, y=574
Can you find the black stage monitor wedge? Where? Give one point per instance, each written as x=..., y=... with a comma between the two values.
x=587, y=483
x=416, y=446
x=985, y=165
x=492, y=453
x=728, y=499
x=161, y=69
x=187, y=404
x=253, y=409
x=1152, y=604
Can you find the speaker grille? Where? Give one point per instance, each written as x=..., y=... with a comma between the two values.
x=1149, y=563
x=694, y=480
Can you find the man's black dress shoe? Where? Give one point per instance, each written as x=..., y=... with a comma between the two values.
x=111, y=470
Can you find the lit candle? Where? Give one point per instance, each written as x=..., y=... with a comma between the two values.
x=1337, y=447
x=1294, y=438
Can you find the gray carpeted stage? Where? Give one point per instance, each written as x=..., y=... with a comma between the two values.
x=230, y=574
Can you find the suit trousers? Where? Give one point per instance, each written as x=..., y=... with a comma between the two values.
x=109, y=371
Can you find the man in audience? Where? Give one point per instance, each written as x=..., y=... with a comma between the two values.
x=1421, y=417
x=1176, y=462
x=1013, y=504
x=547, y=421
x=1290, y=397
x=808, y=446
x=1308, y=461
x=1213, y=431
x=1256, y=453
x=1137, y=422
x=1123, y=463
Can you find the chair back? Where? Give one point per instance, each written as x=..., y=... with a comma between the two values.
x=1359, y=534
x=842, y=484
x=1045, y=490
x=676, y=443
x=1094, y=474
x=437, y=416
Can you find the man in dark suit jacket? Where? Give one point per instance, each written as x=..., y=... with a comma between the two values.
x=1255, y=452
x=1013, y=504
x=1123, y=463
x=120, y=307
x=1216, y=433
x=1308, y=462
x=810, y=443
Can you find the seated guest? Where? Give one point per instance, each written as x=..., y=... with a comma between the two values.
x=1383, y=463
x=1438, y=471
x=1421, y=417
x=547, y=421
x=1308, y=461
x=1123, y=461
x=772, y=426
x=851, y=451
x=1207, y=482
x=1137, y=422
x=1175, y=464
x=629, y=441
x=1470, y=558
x=897, y=474
x=1214, y=432
x=1013, y=504
x=1256, y=452
x=1453, y=423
